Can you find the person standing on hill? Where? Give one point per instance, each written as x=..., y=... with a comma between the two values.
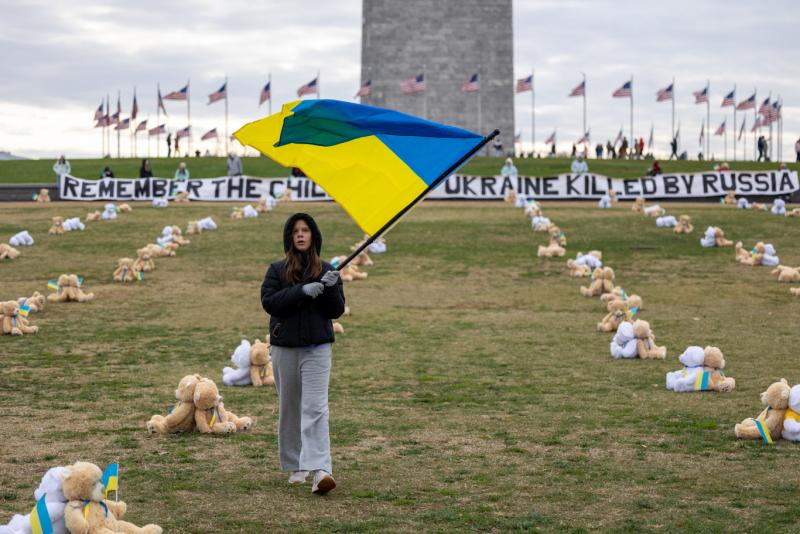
x=623, y=148
x=62, y=166
x=797, y=149
x=234, y=165
x=169, y=145
x=302, y=295
x=106, y=172
x=145, y=171
x=579, y=165
x=674, y=147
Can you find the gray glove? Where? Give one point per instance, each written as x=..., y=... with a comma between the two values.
x=331, y=278
x=313, y=289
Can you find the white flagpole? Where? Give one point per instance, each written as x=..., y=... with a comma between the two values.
x=734, y=122
x=119, y=120
x=425, y=96
x=533, y=117
x=755, y=118
x=630, y=144
x=673, y=107
x=708, y=119
x=226, y=115
x=189, y=117
x=158, y=122
x=584, y=103
x=480, y=116
x=269, y=81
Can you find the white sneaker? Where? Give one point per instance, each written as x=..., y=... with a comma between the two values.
x=298, y=477
x=323, y=483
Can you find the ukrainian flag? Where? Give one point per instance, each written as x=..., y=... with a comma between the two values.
x=110, y=478
x=52, y=284
x=374, y=162
x=40, y=518
x=24, y=310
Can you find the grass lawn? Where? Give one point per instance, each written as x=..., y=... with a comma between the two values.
x=470, y=392
x=41, y=171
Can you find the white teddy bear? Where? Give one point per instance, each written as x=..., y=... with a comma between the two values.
x=539, y=222
x=249, y=212
x=109, y=212
x=624, y=343
x=74, y=224
x=160, y=203
x=589, y=260
x=520, y=202
x=667, y=221
x=604, y=202
x=791, y=421
x=743, y=203
x=530, y=206
x=650, y=210
x=50, y=487
x=770, y=258
x=684, y=380
x=779, y=207
x=239, y=375
x=22, y=239
x=709, y=239
x=207, y=224
x=377, y=247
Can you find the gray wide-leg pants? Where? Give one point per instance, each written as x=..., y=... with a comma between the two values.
x=301, y=378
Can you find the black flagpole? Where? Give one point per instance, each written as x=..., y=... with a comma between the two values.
x=422, y=195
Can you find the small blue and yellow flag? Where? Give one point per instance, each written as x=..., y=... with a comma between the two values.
x=763, y=429
x=52, y=284
x=701, y=381
x=376, y=163
x=24, y=310
x=110, y=478
x=40, y=518
x=80, y=281
x=139, y=275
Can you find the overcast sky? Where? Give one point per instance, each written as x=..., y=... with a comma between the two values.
x=60, y=58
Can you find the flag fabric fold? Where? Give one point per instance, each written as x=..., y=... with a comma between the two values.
x=211, y=134
x=110, y=478
x=40, y=518
x=266, y=93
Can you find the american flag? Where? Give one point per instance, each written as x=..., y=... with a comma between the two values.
x=178, y=95
x=472, y=85
x=525, y=84
x=311, y=88
x=142, y=126
x=123, y=125
x=266, y=93
x=211, y=134
x=157, y=130
x=584, y=139
x=619, y=137
x=756, y=125
x=102, y=122
x=773, y=114
x=729, y=100
x=364, y=90
x=625, y=91
x=664, y=94
x=135, y=109
x=114, y=119
x=98, y=114
x=750, y=103
x=764, y=108
x=552, y=139
x=413, y=85
x=183, y=133
x=702, y=133
x=580, y=90
x=721, y=129
x=741, y=130
x=219, y=94
x=701, y=97
x=650, y=140
x=161, y=102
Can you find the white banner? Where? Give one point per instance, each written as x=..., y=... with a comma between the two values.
x=456, y=187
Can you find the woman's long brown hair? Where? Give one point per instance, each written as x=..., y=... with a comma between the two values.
x=297, y=270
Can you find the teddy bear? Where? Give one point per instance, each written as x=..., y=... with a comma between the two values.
x=209, y=412
x=653, y=211
x=42, y=196
x=125, y=208
x=794, y=213
x=557, y=236
x=93, y=216
x=12, y=323
x=779, y=207
x=684, y=380
x=144, y=262
x=608, y=279
x=249, y=212
x=160, y=203
x=684, y=225
x=21, y=239
x=124, y=271
x=265, y=204
x=180, y=417
x=595, y=288
x=7, y=251
x=617, y=313
x=760, y=206
x=770, y=421
x=791, y=419
x=181, y=197
x=787, y=274
x=69, y=289
x=742, y=255
x=352, y=272
x=109, y=212
x=646, y=347
x=207, y=223
x=762, y=254
x=239, y=375
x=35, y=302
x=74, y=223
x=236, y=214
x=510, y=196
x=87, y=512
x=667, y=221
x=713, y=378
x=176, y=235
x=743, y=204
x=532, y=208
x=553, y=249
x=624, y=343
x=730, y=198
x=770, y=257
x=540, y=223
x=710, y=240
x=57, y=228
x=54, y=500
x=338, y=328
x=795, y=291
x=286, y=196
x=361, y=259
x=577, y=270
x=193, y=228
x=638, y=205
x=719, y=238
x=158, y=251
x=604, y=202
x=261, y=363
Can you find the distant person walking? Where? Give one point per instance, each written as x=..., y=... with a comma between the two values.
x=579, y=165
x=509, y=170
x=182, y=173
x=145, y=171
x=61, y=166
x=797, y=149
x=674, y=147
x=611, y=150
x=177, y=146
x=169, y=145
x=234, y=165
x=762, y=149
x=641, y=147
x=106, y=172
x=623, y=148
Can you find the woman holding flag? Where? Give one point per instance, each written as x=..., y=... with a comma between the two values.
x=302, y=294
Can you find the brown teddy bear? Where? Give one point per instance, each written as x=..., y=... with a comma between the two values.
x=262, y=206
x=35, y=302
x=638, y=205
x=194, y=228
x=646, y=342
x=617, y=312
x=144, y=262
x=776, y=399
x=793, y=213
x=182, y=197
x=69, y=290
x=7, y=251
x=43, y=196
x=787, y=274
x=210, y=414
x=157, y=251
x=719, y=238
x=795, y=291
x=595, y=288
x=742, y=255
x=759, y=206
x=87, y=512
x=57, y=228
x=551, y=250
x=181, y=417
x=260, y=364
x=612, y=195
x=338, y=328
x=557, y=236
x=608, y=279
x=714, y=363
x=124, y=208
x=753, y=258
x=177, y=236
x=12, y=323
x=352, y=272
x=93, y=216
x=684, y=225
x=730, y=198
x=124, y=271
x=237, y=214
x=577, y=270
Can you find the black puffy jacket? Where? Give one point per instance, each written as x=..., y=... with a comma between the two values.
x=297, y=320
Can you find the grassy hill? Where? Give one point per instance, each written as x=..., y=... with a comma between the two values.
x=40, y=171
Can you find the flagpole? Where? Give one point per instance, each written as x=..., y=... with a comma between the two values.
x=708, y=119
x=630, y=144
x=726, y=144
x=133, y=126
x=119, y=121
x=770, y=129
x=158, y=123
x=108, y=131
x=533, y=117
x=584, y=104
x=148, y=140
x=735, y=105
x=424, y=95
x=673, y=108
x=189, y=116
x=755, y=118
x=226, y=115
x=454, y=167
x=480, y=116
x=103, y=130
x=269, y=82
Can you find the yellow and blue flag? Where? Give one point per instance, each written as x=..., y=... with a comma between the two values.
x=110, y=478
x=139, y=275
x=374, y=162
x=24, y=310
x=40, y=518
x=52, y=284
